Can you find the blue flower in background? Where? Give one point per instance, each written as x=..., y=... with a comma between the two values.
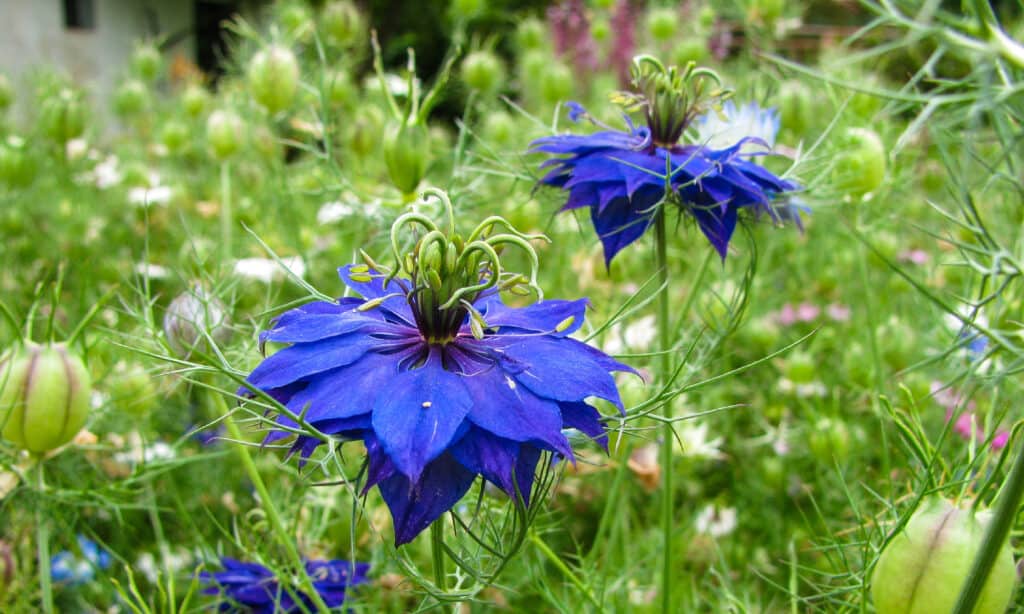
x=251, y=587
x=624, y=176
x=75, y=568
x=439, y=395
x=721, y=130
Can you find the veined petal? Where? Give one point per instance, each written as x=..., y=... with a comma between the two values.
x=414, y=505
x=498, y=459
x=418, y=415
x=303, y=360
x=541, y=317
x=511, y=411
x=315, y=327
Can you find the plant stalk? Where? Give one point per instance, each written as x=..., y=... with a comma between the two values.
x=276, y=524
x=667, y=434
x=437, y=552
x=43, y=543
x=226, y=222
x=995, y=536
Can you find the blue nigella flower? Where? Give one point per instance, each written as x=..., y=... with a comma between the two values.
x=732, y=124
x=79, y=568
x=439, y=395
x=251, y=587
x=623, y=176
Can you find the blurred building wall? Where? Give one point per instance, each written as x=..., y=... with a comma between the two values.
x=40, y=35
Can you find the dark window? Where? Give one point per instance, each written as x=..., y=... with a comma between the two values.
x=212, y=39
x=79, y=14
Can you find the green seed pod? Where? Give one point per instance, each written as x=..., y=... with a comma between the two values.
x=342, y=24
x=224, y=133
x=556, y=84
x=862, y=162
x=484, y=72
x=830, y=441
x=801, y=368
x=62, y=117
x=662, y=24
x=531, y=34
x=341, y=91
x=466, y=9
x=194, y=100
x=690, y=49
x=44, y=396
x=133, y=390
x=131, y=98
x=296, y=21
x=174, y=135
x=923, y=569
x=499, y=127
x=147, y=62
x=796, y=107
x=192, y=314
x=18, y=166
x=406, y=155
x=274, y=78
x=6, y=92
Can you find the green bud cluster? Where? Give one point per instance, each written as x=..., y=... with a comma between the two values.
x=671, y=98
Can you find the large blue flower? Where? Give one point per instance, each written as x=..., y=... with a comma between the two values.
x=623, y=176
x=435, y=404
x=251, y=587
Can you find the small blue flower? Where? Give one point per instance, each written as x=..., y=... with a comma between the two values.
x=623, y=176
x=437, y=397
x=251, y=587
x=73, y=569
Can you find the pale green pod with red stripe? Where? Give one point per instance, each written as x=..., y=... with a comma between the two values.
x=44, y=396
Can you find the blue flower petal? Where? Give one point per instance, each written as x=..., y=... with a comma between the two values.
x=586, y=420
x=540, y=317
x=498, y=459
x=414, y=505
x=296, y=362
x=419, y=415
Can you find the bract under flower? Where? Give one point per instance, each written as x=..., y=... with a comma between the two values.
x=257, y=589
x=435, y=411
x=622, y=177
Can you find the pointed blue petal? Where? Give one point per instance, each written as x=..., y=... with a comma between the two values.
x=300, y=361
x=415, y=505
x=419, y=414
x=561, y=369
x=541, y=317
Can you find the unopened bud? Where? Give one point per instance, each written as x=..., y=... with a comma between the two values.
x=274, y=78
x=342, y=23
x=17, y=164
x=406, y=154
x=62, y=117
x=484, y=72
x=44, y=396
x=146, y=62
x=925, y=566
x=131, y=98
x=224, y=133
x=194, y=99
x=190, y=317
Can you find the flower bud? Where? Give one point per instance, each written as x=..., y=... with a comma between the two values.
x=131, y=98
x=296, y=21
x=925, y=566
x=483, y=71
x=44, y=396
x=796, y=107
x=830, y=441
x=342, y=23
x=194, y=99
x=530, y=34
x=17, y=164
x=190, y=316
x=274, y=78
x=224, y=133
x=690, y=49
x=341, y=91
x=62, y=117
x=862, y=162
x=406, y=154
x=146, y=62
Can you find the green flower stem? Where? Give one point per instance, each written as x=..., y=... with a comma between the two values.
x=437, y=551
x=564, y=570
x=226, y=224
x=43, y=542
x=276, y=524
x=995, y=537
x=667, y=436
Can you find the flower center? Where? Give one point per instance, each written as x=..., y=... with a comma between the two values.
x=671, y=98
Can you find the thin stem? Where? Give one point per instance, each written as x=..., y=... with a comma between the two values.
x=43, y=543
x=225, y=210
x=995, y=537
x=437, y=551
x=276, y=524
x=565, y=571
x=667, y=434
